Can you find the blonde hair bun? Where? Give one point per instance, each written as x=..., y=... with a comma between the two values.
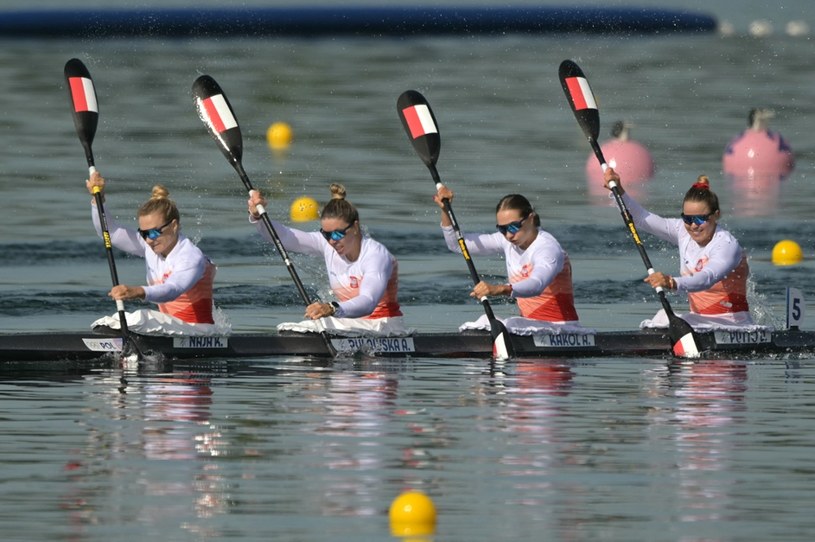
x=160, y=192
x=337, y=191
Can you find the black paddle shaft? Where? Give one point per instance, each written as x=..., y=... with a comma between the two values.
x=629, y=222
x=217, y=114
x=448, y=208
x=421, y=128
x=85, y=112
x=264, y=216
x=584, y=106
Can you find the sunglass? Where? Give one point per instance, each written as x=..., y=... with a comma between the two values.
x=336, y=235
x=153, y=233
x=695, y=219
x=512, y=227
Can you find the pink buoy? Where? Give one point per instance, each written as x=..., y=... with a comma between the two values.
x=628, y=157
x=758, y=152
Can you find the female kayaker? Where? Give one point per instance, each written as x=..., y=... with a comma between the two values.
x=538, y=269
x=179, y=276
x=363, y=274
x=713, y=267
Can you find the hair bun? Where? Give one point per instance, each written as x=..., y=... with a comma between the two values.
x=337, y=191
x=702, y=183
x=159, y=192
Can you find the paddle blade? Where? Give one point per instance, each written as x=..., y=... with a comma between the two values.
x=84, y=106
x=685, y=344
x=581, y=98
x=501, y=344
x=420, y=125
x=216, y=113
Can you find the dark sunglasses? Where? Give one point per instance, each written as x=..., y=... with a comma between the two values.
x=336, y=235
x=512, y=227
x=695, y=219
x=153, y=233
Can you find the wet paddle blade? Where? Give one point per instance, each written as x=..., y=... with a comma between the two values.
x=84, y=106
x=683, y=337
x=217, y=115
x=581, y=98
x=501, y=345
x=420, y=125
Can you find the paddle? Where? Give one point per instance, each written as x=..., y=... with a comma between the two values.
x=421, y=128
x=86, y=116
x=217, y=115
x=584, y=107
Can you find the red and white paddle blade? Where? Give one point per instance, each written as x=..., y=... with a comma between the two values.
x=580, y=97
x=217, y=115
x=82, y=92
x=500, y=349
x=686, y=347
x=420, y=125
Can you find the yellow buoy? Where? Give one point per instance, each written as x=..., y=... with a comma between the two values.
x=304, y=209
x=787, y=252
x=412, y=514
x=279, y=136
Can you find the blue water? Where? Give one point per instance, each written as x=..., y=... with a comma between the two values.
x=286, y=449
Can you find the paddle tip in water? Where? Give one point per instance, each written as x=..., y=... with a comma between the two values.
x=687, y=347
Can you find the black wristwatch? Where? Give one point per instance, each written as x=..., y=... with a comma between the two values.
x=336, y=307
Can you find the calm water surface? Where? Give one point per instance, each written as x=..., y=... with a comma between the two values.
x=287, y=449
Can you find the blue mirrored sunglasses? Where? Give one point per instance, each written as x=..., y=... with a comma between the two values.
x=695, y=219
x=512, y=227
x=153, y=233
x=336, y=235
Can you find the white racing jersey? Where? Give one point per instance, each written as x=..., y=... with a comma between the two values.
x=365, y=288
x=181, y=284
x=541, y=275
x=714, y=275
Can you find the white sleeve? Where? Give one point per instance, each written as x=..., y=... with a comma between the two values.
x=724, y=259
x=548, y=262
x=123, y=238
x=293, y=239
x=477, y=243
x=185, y=274
x=664, y=228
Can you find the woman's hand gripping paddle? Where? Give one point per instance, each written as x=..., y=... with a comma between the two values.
x=86, y=116
x=217, y=115
x=581, y=99
x=421, y=128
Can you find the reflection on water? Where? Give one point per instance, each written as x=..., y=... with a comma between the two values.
x=609, y=448
x=708, y=402
x=354, y=410
x=755, y=195
x=529, y=418
x=164, y=419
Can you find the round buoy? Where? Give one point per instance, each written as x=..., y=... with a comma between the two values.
x=304, y=209
x=279, y=136
x=758, y=152
x=630, y=158
x=412, y=514
x=787, y=252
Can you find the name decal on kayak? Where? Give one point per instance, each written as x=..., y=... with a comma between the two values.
x=200, y=342
x=374, y=344
x=569, y=340
x=104, y=345
x=760, y=336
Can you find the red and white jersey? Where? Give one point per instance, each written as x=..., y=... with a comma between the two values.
x=181, y=284
x=714, y=275
x=541, y=275
x=365, y=288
